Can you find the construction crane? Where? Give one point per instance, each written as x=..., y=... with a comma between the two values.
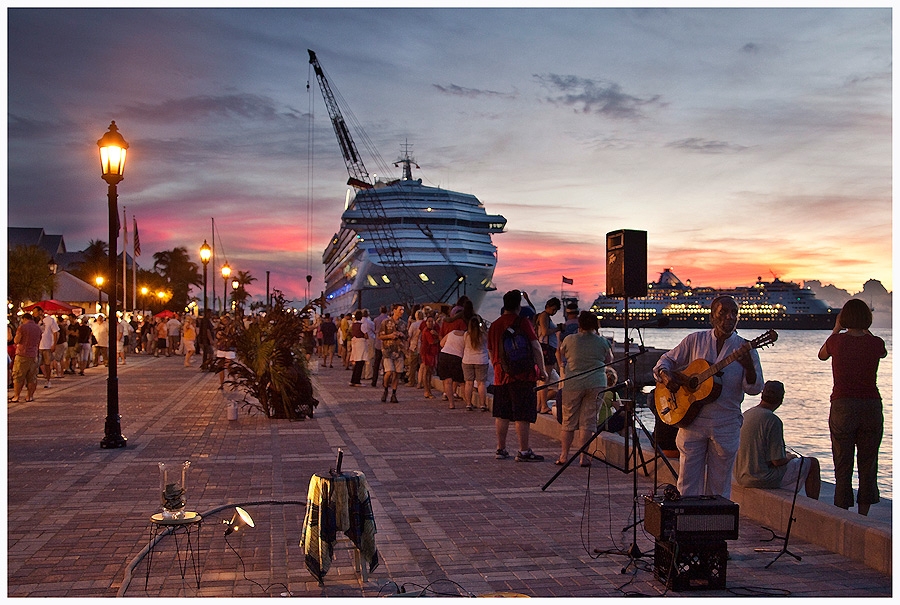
x=378, y=225
x=359, y=176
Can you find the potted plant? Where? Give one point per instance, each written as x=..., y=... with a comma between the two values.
x=271, y=366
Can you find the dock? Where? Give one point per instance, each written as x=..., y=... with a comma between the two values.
x=451, y=519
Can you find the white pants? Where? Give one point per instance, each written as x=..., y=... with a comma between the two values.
x=707, y=458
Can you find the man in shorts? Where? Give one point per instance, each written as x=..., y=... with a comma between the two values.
x=25, y=366
x=514, y=396
x=85, y=333
x=762, y=460
x=392, y=335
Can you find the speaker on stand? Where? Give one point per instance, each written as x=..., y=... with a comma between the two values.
x=626, y=276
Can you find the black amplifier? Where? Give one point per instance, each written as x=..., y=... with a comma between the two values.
x=691, y=518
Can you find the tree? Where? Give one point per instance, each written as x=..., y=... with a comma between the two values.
x=180, y=274
x=28, y=275
x=240, y=295
x=95, y=262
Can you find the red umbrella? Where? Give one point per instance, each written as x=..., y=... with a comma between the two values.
x=52, y=306
x=165, y=314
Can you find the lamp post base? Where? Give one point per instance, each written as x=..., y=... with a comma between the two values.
x=111, y=442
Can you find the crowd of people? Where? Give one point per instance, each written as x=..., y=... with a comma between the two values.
x=520, y=357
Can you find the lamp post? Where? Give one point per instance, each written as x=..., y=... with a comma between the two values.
x=99, y=281
x=235, y=284
x=53, y=267
x=144, y=290
x=205, y=255
x=226, y=271
x=112, y=164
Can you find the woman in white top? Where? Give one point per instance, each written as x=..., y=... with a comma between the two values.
x=450, y=364
x=475, y=362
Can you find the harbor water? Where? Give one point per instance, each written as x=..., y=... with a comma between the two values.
x=793, y=360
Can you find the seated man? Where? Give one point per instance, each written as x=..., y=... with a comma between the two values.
x=761, y=458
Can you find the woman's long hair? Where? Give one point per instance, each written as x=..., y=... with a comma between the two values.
x=476, y=331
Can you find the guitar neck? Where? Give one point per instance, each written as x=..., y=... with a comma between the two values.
x=720, y=365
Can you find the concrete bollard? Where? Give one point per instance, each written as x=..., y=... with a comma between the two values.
x=231, y=409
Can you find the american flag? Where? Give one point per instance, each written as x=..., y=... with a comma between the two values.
x=137, y=240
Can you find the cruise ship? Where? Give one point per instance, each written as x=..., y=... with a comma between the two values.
x=402, y=241
x=672, y=303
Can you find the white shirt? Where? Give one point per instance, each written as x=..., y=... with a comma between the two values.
x=49, y=330
x=702, y=345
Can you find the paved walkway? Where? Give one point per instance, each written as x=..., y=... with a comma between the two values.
x=449, y=516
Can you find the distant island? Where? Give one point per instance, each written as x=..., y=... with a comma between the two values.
x=873, y=292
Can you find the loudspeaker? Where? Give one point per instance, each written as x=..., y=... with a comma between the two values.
x=626, y=263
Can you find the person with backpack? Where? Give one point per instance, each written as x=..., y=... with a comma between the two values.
x=518, y=363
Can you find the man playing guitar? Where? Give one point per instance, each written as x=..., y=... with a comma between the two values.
x=708, y=444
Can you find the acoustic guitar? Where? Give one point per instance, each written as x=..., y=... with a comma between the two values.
x=704, y=384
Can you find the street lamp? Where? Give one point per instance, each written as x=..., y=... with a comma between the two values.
x=99, y=281
x=226, y=271
x=112, y=164
x=53, y=267
x=205, y=255
x=235, y=284
x=144, y=291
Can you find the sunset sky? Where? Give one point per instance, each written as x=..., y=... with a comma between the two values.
x=746, y=142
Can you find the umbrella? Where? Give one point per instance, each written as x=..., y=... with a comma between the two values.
x=165, y=314
x=52, y=306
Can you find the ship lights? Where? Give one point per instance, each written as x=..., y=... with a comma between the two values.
x=386, y=279
x=423, y=277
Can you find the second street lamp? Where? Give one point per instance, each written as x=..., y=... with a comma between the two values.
x=99, y=281
x=112, y=164
x=226, y=271
x=205, y=255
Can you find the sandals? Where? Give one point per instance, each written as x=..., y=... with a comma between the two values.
x=560, y=462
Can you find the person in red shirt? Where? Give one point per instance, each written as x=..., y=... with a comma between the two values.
x=514, y=396
x=855, y=420
x=25, y=366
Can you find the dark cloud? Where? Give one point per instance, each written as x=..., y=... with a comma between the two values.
x=473, y=93
x=595, y=96
x=705, y=146
x=750, y=48
x=243, y=106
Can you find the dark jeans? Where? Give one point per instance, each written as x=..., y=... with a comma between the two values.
x=855, y=425
x=358, y=368
x=376, y=365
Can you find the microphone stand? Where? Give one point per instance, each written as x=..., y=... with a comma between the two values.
x=589, y=442
x=787, y=534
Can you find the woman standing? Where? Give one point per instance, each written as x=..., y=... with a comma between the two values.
x=856, y=421
x=428, y=350
x=188, y=338
x=450, y=364
x=583, y=352
x=475, y=362
x=358, y=349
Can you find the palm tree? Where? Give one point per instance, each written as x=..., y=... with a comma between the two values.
x=180, y=274
x=95, y=261
x=240, y=295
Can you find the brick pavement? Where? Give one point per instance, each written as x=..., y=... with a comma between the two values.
x=449, y=515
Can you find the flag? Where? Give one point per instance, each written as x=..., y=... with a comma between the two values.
x=568, y=280
x=125, y=226
x=137, y=240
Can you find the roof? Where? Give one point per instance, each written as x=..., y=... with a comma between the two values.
x=35, y=236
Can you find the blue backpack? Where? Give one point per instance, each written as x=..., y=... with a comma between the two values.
x=515, y=352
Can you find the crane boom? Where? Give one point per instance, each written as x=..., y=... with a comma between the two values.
x=359, y=176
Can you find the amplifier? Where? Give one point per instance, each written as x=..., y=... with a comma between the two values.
x=692, y=518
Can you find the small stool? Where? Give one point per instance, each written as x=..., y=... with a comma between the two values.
x=190, y=526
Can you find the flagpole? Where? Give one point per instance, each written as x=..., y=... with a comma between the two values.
x=124, y=262
x=134, y=266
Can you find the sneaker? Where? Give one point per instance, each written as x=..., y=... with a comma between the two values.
x=502, y=455
x=528, y=456
x=48, y=385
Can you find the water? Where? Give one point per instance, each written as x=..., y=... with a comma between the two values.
x=793, y=360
